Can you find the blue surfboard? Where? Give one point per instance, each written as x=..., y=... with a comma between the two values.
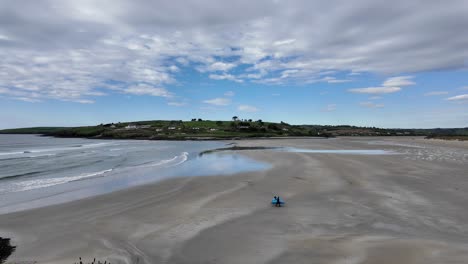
x=273, y=201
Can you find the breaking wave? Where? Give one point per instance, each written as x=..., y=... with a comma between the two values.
x=42, y=183
x=31, y=184
x=177, y=160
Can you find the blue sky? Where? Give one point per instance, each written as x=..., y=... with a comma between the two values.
x=370, y=63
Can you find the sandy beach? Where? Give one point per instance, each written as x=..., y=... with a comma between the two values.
x=407, y=207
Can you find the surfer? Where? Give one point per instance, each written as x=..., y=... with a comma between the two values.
x=278, y=202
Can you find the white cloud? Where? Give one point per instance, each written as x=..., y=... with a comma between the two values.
x=218, y=101
x=176, y=103
x=284, y=42
x=27, y=99
x=288, y=73
x=398, y=81
x=353, y=73
x=224, y=77
x=375, y=97
x=329, y=108
x=143, y=89
x=330, y=79
x=391, y=85
x=375, y=90
x=84, y=101
x=221, y=66
x=174, y=68
x=229, y=93
x=4, y=37
x=254, y=75
x=247, y=108
x=371, y=105
x=183, y=61
x=436, y=93
x=338, y=81
x=68, y=49
x=461, y=97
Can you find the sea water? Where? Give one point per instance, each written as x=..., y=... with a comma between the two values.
x=37, y=171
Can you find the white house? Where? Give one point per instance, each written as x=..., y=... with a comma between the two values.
x=131, y=127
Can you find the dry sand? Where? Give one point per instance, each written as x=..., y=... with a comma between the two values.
x=342, y=209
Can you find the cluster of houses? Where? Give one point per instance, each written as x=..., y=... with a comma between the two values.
x=133, y=126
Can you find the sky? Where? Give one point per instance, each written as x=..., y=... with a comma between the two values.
x=391, y=64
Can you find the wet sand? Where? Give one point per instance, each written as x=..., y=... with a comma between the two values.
x=341, y=208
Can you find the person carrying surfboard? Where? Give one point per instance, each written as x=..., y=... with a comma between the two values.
x=278, y=202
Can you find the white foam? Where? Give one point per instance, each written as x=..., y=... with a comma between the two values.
x=177, y=160
x=29, y=151
x=42, y=183
x=11, y=153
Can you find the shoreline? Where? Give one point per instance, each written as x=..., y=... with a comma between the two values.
x=442, y=138
x=361, y=206
x=115, y=176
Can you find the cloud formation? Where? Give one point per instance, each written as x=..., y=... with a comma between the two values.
x=76, y=50
x=434, y=93
x=375, y=90
x=391, y=85
x=248, y=108
x=371, y=105
x=329, y=108
x=461, y=97
x=176, y=103
x=398, y=81
x=143, y=89
x=218, y=101
x=229, y=93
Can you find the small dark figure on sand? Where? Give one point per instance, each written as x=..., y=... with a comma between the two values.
x=278, y=203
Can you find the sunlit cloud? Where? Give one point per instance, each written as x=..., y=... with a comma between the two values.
x=461, y=97
x=435, y=93
x=229, y=93
x=329, y=108
x=398, y=81
x=68, y=50
x=371, y=105
x=375, y=90
x=391, y=85
x=218, y=101
x=143, y=89
x=248, y=108
x=177, y=103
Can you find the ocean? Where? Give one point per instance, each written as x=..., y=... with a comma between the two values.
x=37, y=171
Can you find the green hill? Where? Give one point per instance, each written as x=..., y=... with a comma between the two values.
x=175, y=129
x=198, y=129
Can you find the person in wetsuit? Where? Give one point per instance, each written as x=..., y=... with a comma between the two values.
x=278, y=202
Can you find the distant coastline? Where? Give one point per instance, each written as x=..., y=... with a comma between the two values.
x=198, y=129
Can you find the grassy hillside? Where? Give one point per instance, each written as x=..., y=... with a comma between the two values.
x=175, y=129
x=207, y=129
